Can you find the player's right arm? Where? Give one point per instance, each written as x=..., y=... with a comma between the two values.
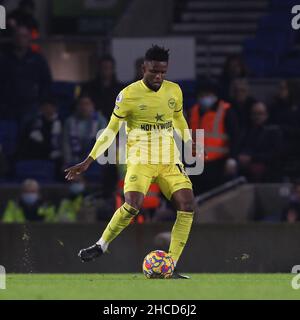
x=106, y=138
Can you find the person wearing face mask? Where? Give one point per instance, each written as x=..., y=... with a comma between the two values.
x=221, y=131
x=70, y=207
x=29, y=207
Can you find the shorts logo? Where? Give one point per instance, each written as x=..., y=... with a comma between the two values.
x=119, y=97
x=143, y=107
x=172, y=103
x=133, y=178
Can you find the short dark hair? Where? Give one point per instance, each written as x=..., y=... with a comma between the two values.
x=156, y=53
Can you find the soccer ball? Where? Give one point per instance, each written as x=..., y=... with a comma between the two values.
x=158, y=265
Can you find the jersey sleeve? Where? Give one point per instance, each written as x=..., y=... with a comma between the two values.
x=179, y=99
x=180, y=124
x=122, y=105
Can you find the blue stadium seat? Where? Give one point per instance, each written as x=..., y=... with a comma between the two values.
x=8, y=136
x=289, y=67
x=275, y=22
x=279, y=5
x=41, y=170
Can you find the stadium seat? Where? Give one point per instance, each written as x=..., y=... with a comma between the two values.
x=8, y=136
x=41, y=170
x=276, y=22
x=280, y=5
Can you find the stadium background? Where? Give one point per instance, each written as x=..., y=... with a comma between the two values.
x=246, y=222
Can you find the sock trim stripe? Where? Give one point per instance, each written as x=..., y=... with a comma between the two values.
x=130, y=209
x=133, y=214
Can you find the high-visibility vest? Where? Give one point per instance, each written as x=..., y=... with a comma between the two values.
x=13, y=213
x=151, y=200
x=69, y=208
x=213, y=123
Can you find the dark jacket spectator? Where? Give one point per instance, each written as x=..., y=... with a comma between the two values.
x=285, y=112
x=105, y=87
x=234, y=68
x=25, y=78
x=42, y=137
x=261, y=147
x=241, y=101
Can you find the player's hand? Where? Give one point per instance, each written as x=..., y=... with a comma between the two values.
x=74, y=171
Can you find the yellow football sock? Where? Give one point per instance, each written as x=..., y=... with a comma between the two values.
x=119, y=222
x=180, y=234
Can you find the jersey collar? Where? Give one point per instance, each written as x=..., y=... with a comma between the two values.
x=148, y=89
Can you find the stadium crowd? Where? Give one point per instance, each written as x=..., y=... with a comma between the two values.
x=248, y=137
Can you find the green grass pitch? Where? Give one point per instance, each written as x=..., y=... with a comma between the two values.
x=136, y=286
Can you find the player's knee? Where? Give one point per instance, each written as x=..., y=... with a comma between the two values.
x=135, y=202
x=187, y=206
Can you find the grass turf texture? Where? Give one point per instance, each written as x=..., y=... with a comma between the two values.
x=136, y=286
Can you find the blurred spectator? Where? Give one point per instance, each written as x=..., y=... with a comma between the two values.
x=105, y=87
x=138, y=73
x=221, y=127
x=80, y=130
x=241, y=101
x=42, y=137
x=30, y=205
x=291, y=213
x=23, y=15
x=261, y=146
x=69, y=208
x=234, y=68
x=25, y=78
x=285, y=112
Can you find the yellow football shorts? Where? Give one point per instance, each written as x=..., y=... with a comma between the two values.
x=169, y=177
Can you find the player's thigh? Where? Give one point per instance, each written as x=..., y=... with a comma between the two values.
x=137, y=180
x=172, y=178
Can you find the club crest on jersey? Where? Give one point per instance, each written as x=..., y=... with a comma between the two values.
x=119, y=97
x=172, y=103
x=133, y=178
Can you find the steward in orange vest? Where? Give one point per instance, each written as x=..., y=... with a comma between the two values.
x=221, y=136
x=212, y=121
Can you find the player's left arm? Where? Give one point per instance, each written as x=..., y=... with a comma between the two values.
x=179, y=122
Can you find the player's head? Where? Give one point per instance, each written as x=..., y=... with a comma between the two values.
x=155, y=66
